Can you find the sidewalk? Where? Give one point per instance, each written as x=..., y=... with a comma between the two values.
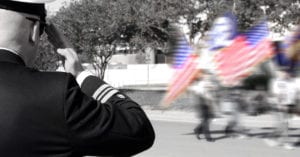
x=266, y=120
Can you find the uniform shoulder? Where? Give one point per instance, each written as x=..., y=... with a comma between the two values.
x=50, y=76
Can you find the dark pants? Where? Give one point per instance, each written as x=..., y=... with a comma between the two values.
x=281, y=131
x=203, y=127
x=234, y=125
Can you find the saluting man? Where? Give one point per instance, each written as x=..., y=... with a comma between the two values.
x=52, y=113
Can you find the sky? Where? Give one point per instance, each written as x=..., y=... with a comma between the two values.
x=53, y=7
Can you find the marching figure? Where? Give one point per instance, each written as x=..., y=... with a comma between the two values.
x=284, y=90
x=204, y=90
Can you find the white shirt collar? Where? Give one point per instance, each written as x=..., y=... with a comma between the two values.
x=10, y=50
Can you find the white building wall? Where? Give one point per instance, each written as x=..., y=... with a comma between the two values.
x=140, y=74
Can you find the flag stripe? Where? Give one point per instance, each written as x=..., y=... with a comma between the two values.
x=182, y=75
x=238, y=60
x=182, y=78
x=248, y=59
x=184, y=64
x=183, y=51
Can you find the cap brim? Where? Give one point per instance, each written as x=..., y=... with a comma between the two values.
x=34, y=1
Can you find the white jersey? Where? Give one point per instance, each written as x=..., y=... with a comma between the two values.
x=285, y=91
x=205, y=88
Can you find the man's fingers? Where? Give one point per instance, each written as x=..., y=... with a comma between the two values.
x=62, y=52
x=72, y=63
x=68, y=53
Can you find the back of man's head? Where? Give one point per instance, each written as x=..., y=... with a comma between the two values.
x=22, y=23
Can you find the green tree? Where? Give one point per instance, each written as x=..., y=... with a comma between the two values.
x=47, y=59
x=98, y=27
x=282, y=13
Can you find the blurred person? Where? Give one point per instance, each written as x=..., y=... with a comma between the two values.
x=284, y=90
x=234, y=126
x=52, y=113
x=203, y=87
x=258, y=103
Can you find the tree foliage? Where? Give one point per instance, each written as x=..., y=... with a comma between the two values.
x=97, y=28
x=282, y=13
x=46, y=59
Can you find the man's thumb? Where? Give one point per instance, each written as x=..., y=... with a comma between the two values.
x=62, y=52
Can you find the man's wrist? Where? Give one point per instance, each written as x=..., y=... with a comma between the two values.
x=78, y=69
x=81, y=76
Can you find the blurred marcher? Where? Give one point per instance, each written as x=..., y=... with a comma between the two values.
x=204, y=89
x=258, y=103
x=284, y=90
x=52, y=113
x=234, y=125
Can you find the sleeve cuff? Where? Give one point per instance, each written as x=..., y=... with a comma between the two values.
x=82, y=76
x=104, y=92
x=96, y=88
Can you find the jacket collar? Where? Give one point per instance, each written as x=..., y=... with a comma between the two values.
x=8, y=56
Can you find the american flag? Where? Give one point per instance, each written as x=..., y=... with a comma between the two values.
x=237, y=61
x=293, y=46
x=185, y=66
x=182, y=79
x=182, y=51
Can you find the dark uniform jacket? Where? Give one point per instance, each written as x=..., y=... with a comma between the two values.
x=49, y=114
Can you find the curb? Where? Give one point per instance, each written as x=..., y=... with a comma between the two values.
x=266, y=120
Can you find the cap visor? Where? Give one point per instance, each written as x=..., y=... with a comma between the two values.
x=34, y=1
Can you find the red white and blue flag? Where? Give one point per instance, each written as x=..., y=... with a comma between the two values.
x=185, y=64
x=182, y=51
x=182, y=79
x=236, y=62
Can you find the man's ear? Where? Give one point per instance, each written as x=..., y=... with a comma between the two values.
x=34, y=35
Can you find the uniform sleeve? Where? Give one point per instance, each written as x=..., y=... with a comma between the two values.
x=104, y=121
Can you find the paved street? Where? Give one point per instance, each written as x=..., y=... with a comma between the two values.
x=175, y=139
